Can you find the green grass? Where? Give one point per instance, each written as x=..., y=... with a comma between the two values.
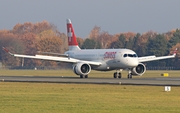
x=86, y=98
x=108, y=74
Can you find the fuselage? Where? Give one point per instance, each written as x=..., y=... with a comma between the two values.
x=111, y=59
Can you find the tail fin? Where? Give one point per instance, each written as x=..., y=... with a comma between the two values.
x=175, y=52
x=72, y=42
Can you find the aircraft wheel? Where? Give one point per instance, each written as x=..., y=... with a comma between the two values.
x=119, y=75
x=86, y=76
x=115, y=75
x=81, y=76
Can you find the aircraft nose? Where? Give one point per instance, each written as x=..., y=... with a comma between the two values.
x=133, y=63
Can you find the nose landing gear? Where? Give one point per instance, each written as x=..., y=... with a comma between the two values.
x=129, y=75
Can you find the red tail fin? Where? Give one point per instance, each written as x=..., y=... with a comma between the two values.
x=175, y=52
x=72, y=42
x=70, y=32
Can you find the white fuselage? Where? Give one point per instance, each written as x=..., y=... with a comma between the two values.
x=111, y=59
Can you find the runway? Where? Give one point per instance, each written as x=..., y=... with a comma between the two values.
x=166, y=81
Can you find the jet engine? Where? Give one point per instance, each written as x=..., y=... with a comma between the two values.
x=139, y=70
x=82, y=68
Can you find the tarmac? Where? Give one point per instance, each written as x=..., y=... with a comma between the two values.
x=166, y=81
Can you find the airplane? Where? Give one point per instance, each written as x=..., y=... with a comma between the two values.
x=85, y=60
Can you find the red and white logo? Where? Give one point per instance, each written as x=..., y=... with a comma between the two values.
x=71, y=36
x=109, y=55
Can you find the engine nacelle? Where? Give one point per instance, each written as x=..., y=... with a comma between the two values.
x=82, y=68
x=139, y=70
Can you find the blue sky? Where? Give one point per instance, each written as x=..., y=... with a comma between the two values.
x=113, y=16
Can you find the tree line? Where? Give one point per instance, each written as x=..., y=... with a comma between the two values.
x=29, y=38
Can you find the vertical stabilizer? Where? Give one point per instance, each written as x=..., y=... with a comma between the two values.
x=72, y=42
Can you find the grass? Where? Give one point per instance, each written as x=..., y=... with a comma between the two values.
x=86, y=98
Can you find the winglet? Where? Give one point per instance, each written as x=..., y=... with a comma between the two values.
x=7, y=51
x=175, y=52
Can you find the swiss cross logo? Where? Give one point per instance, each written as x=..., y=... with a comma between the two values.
x=69, y=35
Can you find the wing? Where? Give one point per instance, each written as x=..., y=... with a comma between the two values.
x=152, y=58
x=53, y=58
x=50, y=53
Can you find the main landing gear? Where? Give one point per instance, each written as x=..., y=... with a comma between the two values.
x=83, y=76
x=117, y=75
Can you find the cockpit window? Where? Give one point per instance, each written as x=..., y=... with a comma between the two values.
x=130, y=55
x=125, y=55
x=135, y=55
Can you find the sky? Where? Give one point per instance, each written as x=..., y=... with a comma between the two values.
x=112, y=16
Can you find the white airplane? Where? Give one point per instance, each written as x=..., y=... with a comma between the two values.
x=85, y=60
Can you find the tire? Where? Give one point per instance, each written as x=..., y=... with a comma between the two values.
x=115, y=75
x=119, y=75
x=86, y=76
x=81, y=76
